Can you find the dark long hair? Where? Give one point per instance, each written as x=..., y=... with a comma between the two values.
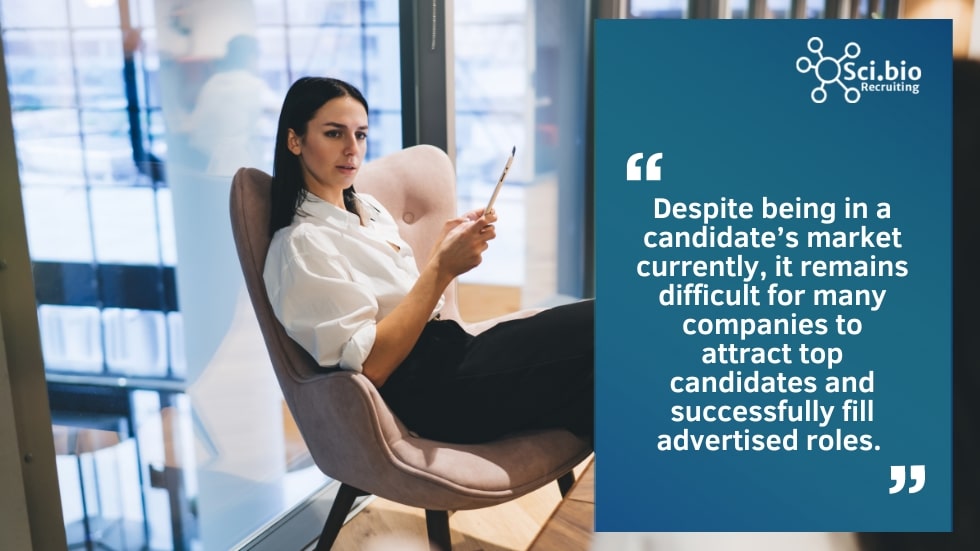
x=304, y=98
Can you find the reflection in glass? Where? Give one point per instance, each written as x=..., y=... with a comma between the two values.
x=100, y=506
x=491, y=96
x=658, y=9
x=94, y=13
x=270, y=12
x=124, y=226
x=165, y=217
x=520, y=81
x=739, y=9
x=109, y=157
x=275, y=73
x=33, y=84
x=778, y=9
x=127, y=133
x=36, y=13
x=58, y=223
x=71, y=338
x=815, y=9
x=314, y=51
x=141, y=13
x=135, y=342
x=175, y=328
x=99, y=77
x=382, y=67
x=324, y=12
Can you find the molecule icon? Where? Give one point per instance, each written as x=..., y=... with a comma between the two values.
x=828, y=70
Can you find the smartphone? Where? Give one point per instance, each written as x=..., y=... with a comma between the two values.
x=500, y=182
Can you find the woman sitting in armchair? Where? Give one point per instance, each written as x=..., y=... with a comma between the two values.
x=347, y=288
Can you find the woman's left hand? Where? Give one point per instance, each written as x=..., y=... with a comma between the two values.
x=477, y=213
x=464, y=239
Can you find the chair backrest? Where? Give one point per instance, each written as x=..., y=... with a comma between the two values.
x=417, y=185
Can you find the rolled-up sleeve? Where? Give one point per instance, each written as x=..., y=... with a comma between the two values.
x=315, y=297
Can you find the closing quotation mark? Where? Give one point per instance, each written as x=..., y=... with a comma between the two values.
x=916, y=472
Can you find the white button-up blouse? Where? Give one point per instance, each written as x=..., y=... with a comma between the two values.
x=331, y=278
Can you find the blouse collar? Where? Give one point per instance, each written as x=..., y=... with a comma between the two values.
x=315, y=207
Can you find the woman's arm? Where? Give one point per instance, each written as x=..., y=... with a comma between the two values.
x=458, y=251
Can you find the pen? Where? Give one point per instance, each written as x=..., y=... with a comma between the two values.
x=500, y=182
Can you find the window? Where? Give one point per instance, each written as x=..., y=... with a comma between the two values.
x=145, y=331
x=521, y=80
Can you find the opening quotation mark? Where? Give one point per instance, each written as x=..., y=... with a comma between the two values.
x=916, y=472
x=652, y=171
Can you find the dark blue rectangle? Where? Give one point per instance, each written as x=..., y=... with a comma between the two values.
x=813, y=159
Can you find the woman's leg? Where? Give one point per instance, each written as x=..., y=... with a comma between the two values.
x=526, y=374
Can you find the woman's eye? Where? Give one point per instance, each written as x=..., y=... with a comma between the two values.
x=332, y=133
x=361, y=136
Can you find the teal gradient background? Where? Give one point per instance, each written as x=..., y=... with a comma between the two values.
x=724, y=102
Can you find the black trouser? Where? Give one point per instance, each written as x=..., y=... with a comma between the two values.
x=531, y=373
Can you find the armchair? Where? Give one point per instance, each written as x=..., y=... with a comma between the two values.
x=352, y=435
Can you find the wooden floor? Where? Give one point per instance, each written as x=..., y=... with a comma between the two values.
x=387, y=526
x=572, y=525
x=512, y=526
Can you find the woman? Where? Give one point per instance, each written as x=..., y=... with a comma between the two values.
x=347, y=288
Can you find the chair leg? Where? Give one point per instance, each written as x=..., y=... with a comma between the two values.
x=338, y=513
x=437, y=524
x=565, y=482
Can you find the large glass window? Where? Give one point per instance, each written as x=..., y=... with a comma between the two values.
x=658, y=9
x=521, y=80
x=740, y=9
x=491, y=71
x=130, y=117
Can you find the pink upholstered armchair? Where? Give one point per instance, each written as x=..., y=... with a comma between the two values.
x=352, y=435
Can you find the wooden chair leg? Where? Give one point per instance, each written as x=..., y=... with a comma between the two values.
x=338, y=513
x=437, y=524
x=565, y=482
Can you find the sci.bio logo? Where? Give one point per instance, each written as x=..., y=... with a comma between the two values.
x=856, y=77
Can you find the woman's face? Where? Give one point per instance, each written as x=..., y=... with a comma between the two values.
x=333, y=148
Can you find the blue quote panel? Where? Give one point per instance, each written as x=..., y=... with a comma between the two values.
x=773, y=275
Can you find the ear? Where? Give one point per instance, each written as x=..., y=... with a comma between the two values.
x=293, y=142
